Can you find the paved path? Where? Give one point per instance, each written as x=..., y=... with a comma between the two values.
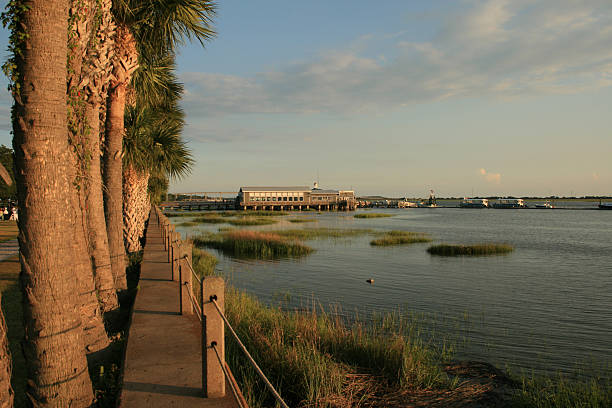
x=8, y=249
x=163, y=357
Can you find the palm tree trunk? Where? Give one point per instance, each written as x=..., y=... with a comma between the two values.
x=124, y=64
x=6, y=392
x=96, y=224
x=53, y=345
x=136, y=206
x=113, y=192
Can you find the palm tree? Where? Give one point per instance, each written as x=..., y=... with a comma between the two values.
x=6, y=392
x=157, y=25
x=82, y=19
x=152, y=144
x=95, y=77
x=53, y=345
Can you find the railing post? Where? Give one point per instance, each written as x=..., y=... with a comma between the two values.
x=176, y=255
x=213, y=331
x=186, y=285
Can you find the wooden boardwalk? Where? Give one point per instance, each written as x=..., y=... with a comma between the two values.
x=163, y=358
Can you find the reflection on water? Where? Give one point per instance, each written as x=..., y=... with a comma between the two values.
x=545, y=306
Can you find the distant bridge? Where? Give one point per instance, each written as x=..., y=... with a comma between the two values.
x=205, y=200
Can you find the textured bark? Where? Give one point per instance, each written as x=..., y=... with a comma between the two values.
x=94, y=79
x=113, y=191
x=53, y=345
x=6, y=392
x=136, y=206
x=95, y=337
x=98, y=238
x=125, y=63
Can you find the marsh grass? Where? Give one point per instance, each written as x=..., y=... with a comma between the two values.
x=253, y=244
x=560, y=392
x=400, y=238
x=316, y=233
x=203, y=262
x=246, y=221
x=187, y=224
x=313, y=357
x=372, y=215
x=210, y=219
x=470, y=250
x=301, y=220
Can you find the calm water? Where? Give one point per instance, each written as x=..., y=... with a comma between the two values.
x=547, y=306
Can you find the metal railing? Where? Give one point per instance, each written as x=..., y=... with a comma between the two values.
x=207, y=302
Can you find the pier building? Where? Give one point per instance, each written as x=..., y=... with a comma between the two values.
x=295, y=198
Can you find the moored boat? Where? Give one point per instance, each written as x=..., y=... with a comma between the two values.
x=509, y=203
x=546, y=205
x=474, y=203
x=605, y=206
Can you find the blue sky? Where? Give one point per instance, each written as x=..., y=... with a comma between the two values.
x=493, y=97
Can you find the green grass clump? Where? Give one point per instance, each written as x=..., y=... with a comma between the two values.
x=210, y=219
x=560, y=392
x=253, y=244
x=469, y=250
x=372, y=215
x=203, y=262
x=314, y=233
x=245, y=221
x=302, y=220
x=400, y=238
x=313, y=357
x=187, y=224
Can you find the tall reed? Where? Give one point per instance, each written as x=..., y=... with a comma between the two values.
x=470, y=250
x=253, y=244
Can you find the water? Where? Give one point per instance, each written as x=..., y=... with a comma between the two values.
x=546, y=307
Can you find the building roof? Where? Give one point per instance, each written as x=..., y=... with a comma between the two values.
x=293, y=188
x=319, y=191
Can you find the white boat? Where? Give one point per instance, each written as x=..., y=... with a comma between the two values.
x=509, y=203
x=546, y=205
x=430, y=203
x=474, y=203
x=605, y=206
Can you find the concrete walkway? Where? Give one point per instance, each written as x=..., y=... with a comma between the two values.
x=163, y=357
x=8, y=249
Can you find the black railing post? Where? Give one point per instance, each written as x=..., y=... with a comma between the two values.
x=180, y=287
x=204, y=343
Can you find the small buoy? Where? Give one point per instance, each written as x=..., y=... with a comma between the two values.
x=370, y=281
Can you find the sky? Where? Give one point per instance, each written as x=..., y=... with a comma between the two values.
x=465, y=97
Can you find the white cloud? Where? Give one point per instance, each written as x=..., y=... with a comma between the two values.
x=494, y=178
x=495, y=48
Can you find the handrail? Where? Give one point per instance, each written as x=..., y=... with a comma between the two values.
x=249, y=357
x=194, y=303
x=198, y=305
x=213, y=345
x=193, y=272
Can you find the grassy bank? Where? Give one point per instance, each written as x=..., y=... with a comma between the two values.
x=400, y=238
x=315, y=233
x=246, y=221
x=470, y=250
x=302, y=220
x=253, y=244
x=372, y=215
x=317, y=359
